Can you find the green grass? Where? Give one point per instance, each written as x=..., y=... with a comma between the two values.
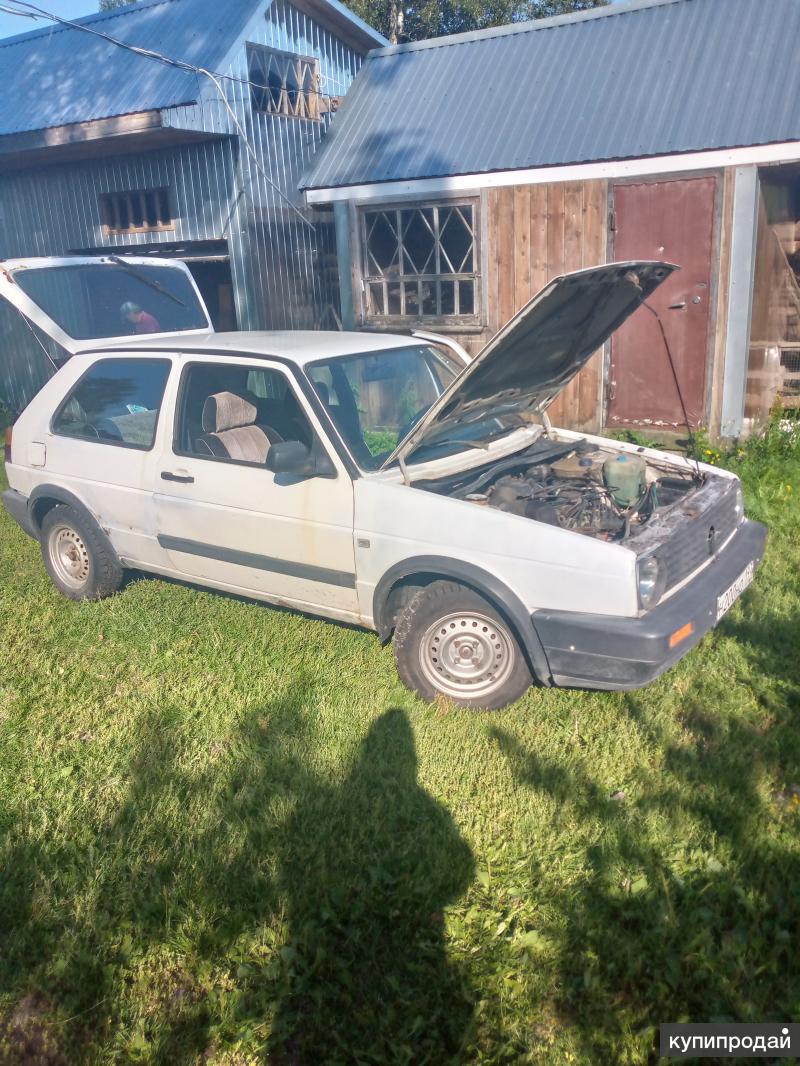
x=228, y=834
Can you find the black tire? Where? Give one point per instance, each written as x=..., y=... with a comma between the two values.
x=76, y=556
x=451, y=642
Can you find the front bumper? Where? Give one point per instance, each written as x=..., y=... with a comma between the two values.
x=17, y=506
x=606, y=652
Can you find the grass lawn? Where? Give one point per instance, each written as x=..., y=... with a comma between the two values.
x=228, y=834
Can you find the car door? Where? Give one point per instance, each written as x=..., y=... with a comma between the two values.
x=225, y=519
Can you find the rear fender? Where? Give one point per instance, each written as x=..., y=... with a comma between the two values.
x=45, y=497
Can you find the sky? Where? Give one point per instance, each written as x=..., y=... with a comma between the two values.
x=68, y=9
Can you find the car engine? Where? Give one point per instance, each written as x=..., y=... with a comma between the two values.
x=578, y=486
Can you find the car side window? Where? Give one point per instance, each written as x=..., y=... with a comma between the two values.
x=116, y=402
x=236, y=413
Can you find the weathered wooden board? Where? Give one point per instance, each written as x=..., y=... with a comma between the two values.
x=535, y=233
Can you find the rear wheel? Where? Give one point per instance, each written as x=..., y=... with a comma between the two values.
x=76, y=557
x=449, y=641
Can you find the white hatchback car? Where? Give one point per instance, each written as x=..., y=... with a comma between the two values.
x=378, y=480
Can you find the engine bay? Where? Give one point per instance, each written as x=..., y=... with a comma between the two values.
x=576, y=485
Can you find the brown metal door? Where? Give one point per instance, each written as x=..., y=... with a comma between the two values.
x=671, y=221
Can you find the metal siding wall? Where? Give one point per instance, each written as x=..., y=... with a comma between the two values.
x=279, y=275
x=52, y=210
x=217, y=190
x=284, y=272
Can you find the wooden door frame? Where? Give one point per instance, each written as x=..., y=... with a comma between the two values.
x=715, y=279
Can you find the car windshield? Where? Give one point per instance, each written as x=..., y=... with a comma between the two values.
x=97, y=300
x=376, y=398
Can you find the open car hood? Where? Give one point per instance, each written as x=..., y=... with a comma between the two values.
x=51, y=308
x=525, y=366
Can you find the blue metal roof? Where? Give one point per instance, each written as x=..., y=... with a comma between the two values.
x=58, y=75
x=630, y=80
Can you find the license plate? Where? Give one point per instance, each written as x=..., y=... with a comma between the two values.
x=732, y=594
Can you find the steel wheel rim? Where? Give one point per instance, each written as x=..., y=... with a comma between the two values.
x=466, y=654
x=69, y=557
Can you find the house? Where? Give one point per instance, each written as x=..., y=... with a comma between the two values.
x=104, y=148
x=464, y=172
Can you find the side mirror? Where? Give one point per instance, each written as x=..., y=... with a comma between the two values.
x=294, y=458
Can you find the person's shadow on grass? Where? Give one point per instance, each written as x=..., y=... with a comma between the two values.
x=366, y=975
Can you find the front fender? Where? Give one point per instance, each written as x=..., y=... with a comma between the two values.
x=482, y=582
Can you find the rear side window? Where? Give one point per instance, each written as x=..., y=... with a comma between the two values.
x=116, y=402
x=91, y=301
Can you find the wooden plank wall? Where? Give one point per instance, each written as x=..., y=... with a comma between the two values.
x=535, y=233
x=775, y=320
x=775, y=316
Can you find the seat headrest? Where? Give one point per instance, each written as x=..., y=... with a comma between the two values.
x=226, y=410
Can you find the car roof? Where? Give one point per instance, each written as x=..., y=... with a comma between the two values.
x=296, y=346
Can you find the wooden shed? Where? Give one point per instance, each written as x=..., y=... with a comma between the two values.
x=466, y=171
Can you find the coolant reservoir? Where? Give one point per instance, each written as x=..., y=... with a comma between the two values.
x=626, y=478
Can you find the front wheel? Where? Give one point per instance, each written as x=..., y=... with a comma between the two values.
x=450, y=642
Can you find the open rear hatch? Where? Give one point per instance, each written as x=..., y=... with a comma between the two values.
x=52, y=308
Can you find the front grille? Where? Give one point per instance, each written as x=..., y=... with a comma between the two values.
x=692, y=543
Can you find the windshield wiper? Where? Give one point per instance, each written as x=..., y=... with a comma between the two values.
x=140, y=274
x=481, y=446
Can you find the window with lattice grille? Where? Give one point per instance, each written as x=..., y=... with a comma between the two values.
x=138, y=211
x=282, y=83
x=421, y=263
x=790, y=377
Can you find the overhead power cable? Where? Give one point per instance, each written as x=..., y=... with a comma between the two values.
x=215, y=77
x=23, y=14
x=37, y=12
x=250, y=149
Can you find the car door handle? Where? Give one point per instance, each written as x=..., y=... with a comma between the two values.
x=182, y=479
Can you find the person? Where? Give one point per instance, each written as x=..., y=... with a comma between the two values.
x=142, y=321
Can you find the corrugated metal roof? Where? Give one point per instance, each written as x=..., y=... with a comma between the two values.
x=626, y=81
x=58, y=75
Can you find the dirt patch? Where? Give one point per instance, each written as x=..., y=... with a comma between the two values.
x=27, y=1035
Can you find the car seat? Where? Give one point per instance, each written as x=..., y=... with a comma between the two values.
x=230, y=430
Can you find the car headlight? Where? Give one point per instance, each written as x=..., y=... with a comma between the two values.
x=651, y=575
x=739, y=502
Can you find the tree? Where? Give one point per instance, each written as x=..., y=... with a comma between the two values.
x=107, y=5
x=432, y=18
